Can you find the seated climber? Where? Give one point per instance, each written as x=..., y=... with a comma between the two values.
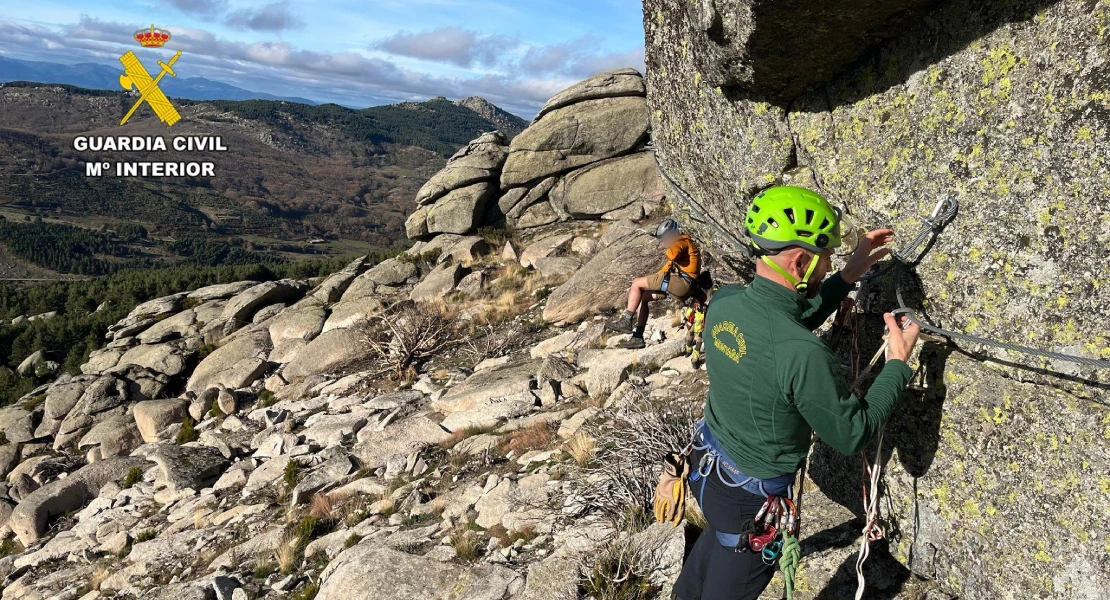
x=678, y=278
x=771, y=384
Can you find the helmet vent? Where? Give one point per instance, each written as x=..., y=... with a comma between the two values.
x=755, y=208
x=803, y=233
x=773, y=223
x=824, y=224
x=789, y=212
x=809, y=216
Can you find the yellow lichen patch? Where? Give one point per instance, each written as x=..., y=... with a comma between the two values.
x=971, y=509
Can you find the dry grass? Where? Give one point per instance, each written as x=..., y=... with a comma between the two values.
x=98, y=576
x=323, y=507
x=462, y=434
x=466, y=543
x=354, y=509
x=582, y=448
x=386, y=506
x=694, y=516
x=533, y=437
x=287, y=553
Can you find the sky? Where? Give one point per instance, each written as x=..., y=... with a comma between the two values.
x=515, y=53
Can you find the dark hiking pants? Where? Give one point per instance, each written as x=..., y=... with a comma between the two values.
x=711, y=571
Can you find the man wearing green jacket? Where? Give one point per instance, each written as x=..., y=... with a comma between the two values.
x=772, y=382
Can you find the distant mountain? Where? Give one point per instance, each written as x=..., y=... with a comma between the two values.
x=105, y=77
x=292, y=171
x=509, y=123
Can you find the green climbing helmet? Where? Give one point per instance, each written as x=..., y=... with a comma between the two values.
x=785, y=216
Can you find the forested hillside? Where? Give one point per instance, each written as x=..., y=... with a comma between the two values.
x=291, y=172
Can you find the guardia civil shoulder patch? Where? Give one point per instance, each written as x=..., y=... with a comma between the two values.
x=734, y=348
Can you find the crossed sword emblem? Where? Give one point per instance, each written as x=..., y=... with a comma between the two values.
x=137, y=76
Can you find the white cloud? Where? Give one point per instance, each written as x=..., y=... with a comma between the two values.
x=455, y=45
x=270, y=17
x=200, y=7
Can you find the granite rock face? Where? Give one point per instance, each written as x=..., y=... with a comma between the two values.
x=1002, y=105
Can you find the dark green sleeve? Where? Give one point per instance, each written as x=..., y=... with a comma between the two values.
x=833, y=291
x=841, y=419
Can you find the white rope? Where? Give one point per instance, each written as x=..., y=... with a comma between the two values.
x=871, y=529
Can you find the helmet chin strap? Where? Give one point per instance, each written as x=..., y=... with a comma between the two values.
x=801, y=287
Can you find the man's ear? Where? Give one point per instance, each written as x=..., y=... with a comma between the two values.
x=799, y=261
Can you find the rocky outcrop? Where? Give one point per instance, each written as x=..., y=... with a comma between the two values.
x=478, y=161
x=507, y=123
x=454, y=200
x=574, y=136
x=282, y=434
x=631, y=183
x=613, y=84
x=569, y=163
x=999, y=104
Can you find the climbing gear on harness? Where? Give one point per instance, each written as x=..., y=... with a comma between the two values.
x=622, y=324
x=670, y=494
x=715, y=460
x=667, y=226
x=785, y=216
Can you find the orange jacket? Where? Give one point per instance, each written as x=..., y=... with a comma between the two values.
x=685, y=255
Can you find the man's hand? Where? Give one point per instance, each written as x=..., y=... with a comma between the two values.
x=869, y=251
x=900, y=342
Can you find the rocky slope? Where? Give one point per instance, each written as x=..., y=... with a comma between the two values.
x=251, y=440
x=411, y=429
x=997, y=479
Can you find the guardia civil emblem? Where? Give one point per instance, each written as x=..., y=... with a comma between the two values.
x=138, y=78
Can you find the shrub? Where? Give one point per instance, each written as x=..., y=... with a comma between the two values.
x=266, y=398
x=145, y=536
x=627, y=467
x=409, y=336
x=291, y=475
x=134, y=475
x=187, y=433
x=618, y=573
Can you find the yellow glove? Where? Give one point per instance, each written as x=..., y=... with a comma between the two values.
x=670, y=494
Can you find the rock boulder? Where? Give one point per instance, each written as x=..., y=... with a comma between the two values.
x=573, y=136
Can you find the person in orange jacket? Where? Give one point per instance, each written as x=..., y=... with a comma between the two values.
x=678, y=278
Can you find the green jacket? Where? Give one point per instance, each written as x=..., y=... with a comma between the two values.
x=772, y=381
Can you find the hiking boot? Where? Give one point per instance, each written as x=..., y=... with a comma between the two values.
x=634, y=343
x=622, y=324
